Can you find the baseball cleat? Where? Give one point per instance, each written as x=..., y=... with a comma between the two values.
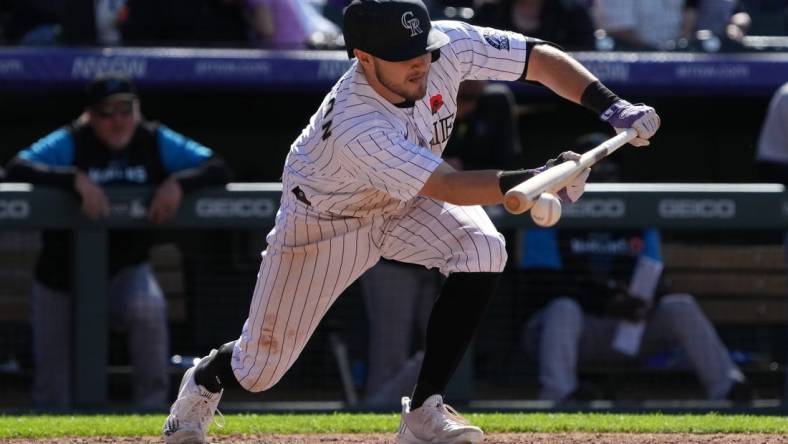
x=192, y=413
x=435, y=422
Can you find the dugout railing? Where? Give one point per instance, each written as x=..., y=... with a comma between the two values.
x=726, y=209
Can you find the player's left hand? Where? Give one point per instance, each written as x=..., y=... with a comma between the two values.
x=642, y=118
x=165, y=202
x=574, y=190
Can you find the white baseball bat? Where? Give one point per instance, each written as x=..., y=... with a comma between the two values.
x=521, y=198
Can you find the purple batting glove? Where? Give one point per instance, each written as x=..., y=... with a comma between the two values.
x=574, y=190
x=642, y=118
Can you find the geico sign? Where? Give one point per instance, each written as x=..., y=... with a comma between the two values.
x=225, y=207
x=14, y=209
x=697, y=208
x=596, y=208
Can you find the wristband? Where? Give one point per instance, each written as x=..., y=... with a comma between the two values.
x=510, y=179
x=598, y=98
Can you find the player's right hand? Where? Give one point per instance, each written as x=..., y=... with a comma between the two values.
x=642, y=118
x=165, y=201
x=94, y=201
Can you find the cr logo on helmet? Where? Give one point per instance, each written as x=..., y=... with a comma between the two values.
x=412, y=23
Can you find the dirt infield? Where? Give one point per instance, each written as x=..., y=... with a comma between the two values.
x=500, y=438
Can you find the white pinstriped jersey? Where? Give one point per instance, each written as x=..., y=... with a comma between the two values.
x=350, y=196
x=360, y=165
x=360, y=155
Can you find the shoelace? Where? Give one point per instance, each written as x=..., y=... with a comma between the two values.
x=207, y=414
x=451, y=413
x=218, y=424
x=443, y=416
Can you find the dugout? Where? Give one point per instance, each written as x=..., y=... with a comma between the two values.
x=711, y=118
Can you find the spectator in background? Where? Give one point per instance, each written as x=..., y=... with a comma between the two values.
x=110, y=16
x=290, y=24
x=33, y=22
x=109, y=144
x=65, y=22
x=772, y=152
x=723, y=18
x=210, y=23
x=566, y=23
x=485, y=135
x=582, y=279
x=332, y=9
x=771, y=156
x=768, y=17
x=721, y=26
x=647, y=25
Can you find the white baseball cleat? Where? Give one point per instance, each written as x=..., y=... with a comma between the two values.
x=435, y=422
x=192, y=412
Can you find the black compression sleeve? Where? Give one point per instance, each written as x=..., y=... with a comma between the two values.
x=510, y=179
x=20, y=170
x=531, y=43
x=215, y=373
x=453, y=322
x=597, y=97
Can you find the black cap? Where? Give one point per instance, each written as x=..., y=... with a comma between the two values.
x=103, y=88
x=393, y=30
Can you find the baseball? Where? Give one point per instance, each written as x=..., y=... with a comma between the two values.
x=546, y=210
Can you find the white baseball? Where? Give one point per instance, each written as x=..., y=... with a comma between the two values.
x=546, y=210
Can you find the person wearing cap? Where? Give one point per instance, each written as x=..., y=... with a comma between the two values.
x=596, y=296
x=109, y=144
x=365, y=180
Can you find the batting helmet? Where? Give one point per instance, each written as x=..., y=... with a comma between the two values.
x=393, y=30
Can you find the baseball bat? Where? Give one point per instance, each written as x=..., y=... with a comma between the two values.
x=521, y=198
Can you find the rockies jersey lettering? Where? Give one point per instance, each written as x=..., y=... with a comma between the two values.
x=441, y=130
x=361, y=155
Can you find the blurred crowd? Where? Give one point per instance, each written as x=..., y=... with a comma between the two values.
x=639, y=25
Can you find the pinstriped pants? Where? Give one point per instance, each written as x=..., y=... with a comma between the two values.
x=312, y=258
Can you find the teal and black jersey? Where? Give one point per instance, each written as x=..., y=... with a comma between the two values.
x=154, y=153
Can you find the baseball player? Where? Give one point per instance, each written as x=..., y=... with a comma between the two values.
x=365, y=180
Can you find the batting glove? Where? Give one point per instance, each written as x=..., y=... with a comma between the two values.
x=574, y=190
x=642, y=118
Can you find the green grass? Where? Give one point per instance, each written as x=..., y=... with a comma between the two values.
x=139, y=425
